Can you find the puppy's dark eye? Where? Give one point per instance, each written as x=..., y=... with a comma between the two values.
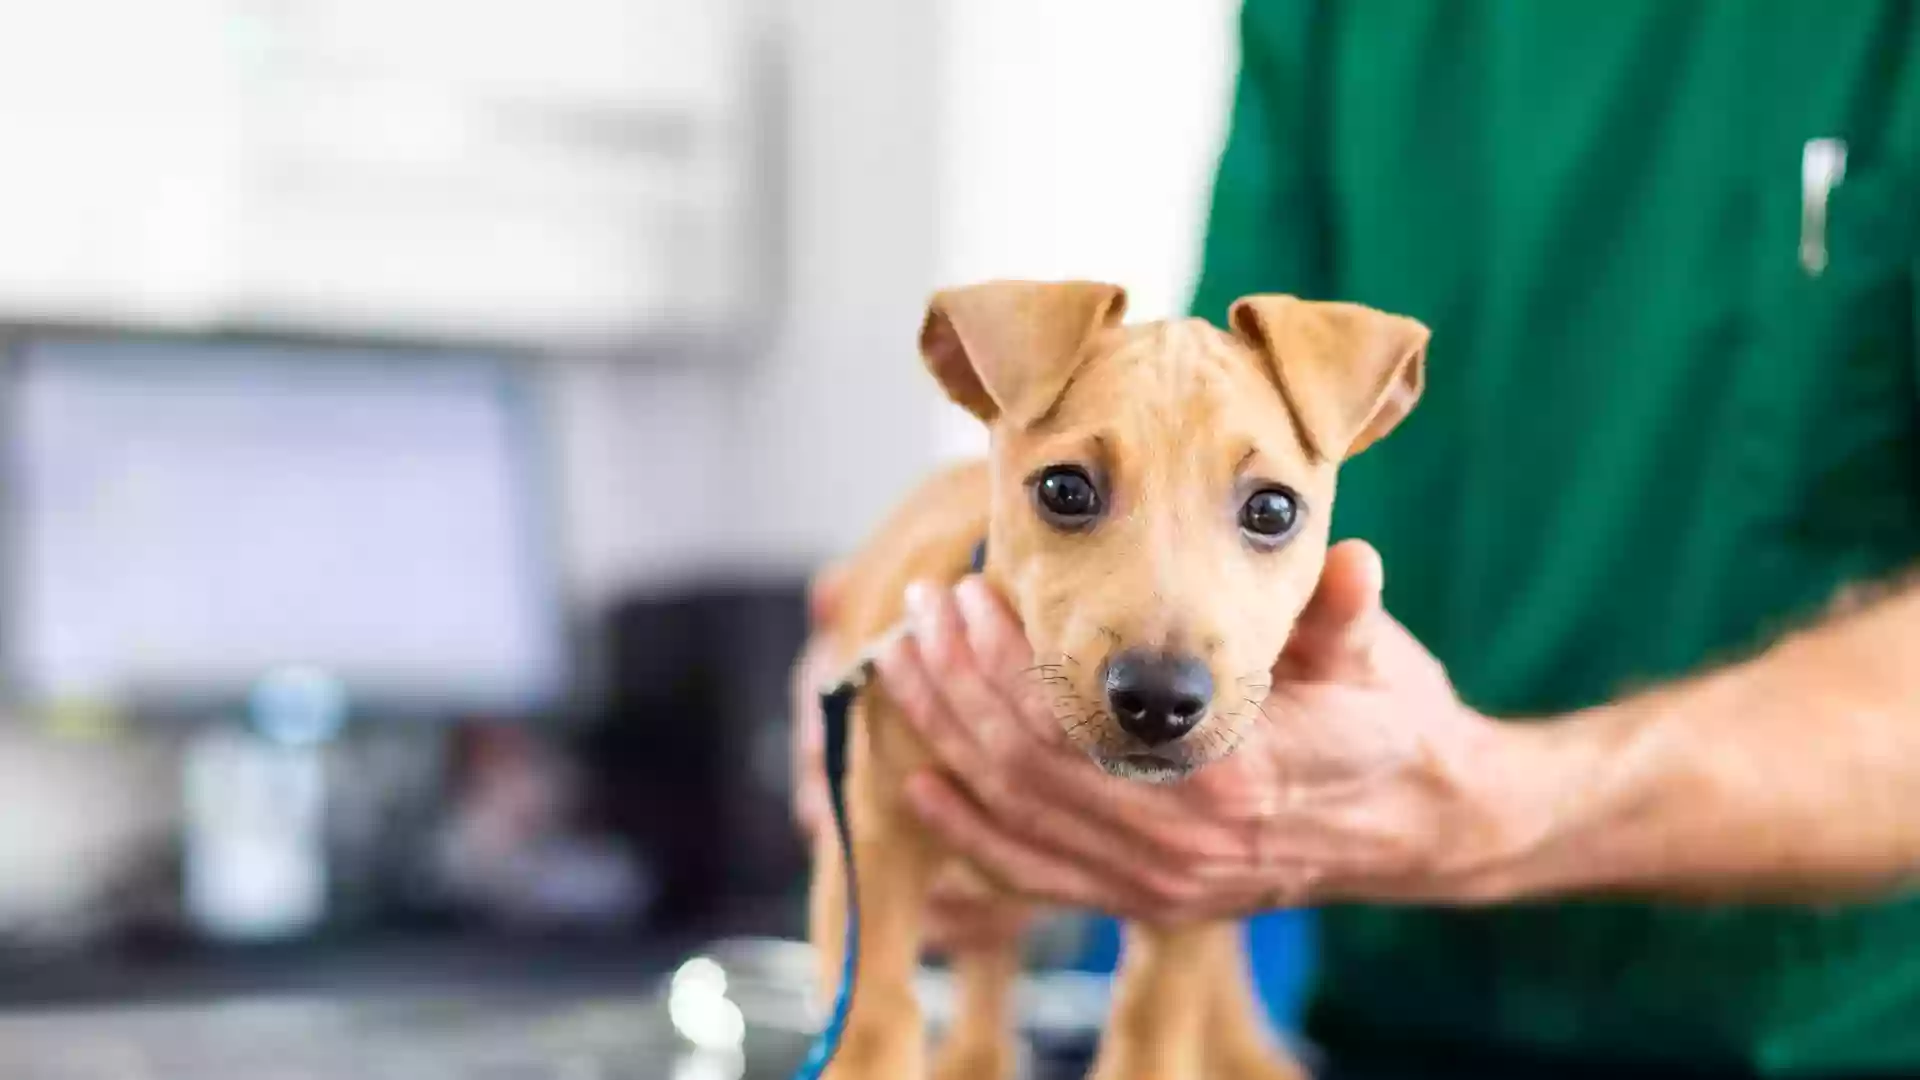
x=1067, y=496
x=1269, y=515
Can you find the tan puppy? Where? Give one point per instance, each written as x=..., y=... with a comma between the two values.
x=1156, y=505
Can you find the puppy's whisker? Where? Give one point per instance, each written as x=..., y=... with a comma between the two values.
x=1261, y=708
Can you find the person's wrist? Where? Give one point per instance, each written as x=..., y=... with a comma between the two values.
x=1520, y=785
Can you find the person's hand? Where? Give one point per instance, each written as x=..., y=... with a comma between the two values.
x=1365, y=778
x=961, y=912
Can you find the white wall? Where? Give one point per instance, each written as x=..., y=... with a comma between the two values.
x=772, y=465
x=1078, y=140
x=644, y=457
x=834, y=422
x=932, y=142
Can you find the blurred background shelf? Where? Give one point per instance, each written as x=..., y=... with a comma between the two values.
x=575, y=172
x=445, y=961
x=434, y=715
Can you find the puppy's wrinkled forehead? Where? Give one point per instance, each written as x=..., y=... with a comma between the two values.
x=1167, y=411
x=1008, y=350
x=1180, y=380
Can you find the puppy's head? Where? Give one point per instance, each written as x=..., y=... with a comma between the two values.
x=1161, y=492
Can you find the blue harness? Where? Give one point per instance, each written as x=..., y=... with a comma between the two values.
x=836, y=708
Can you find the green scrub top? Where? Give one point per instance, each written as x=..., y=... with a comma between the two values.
x=1652, y=436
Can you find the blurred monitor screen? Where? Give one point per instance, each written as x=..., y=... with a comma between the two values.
x=187, y=517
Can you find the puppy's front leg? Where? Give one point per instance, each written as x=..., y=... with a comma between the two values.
x=894, y=859
x=981, y=1044
x=1158, y=1027
x=1240, y=1043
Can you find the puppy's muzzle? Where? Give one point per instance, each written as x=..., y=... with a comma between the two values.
x=1157, y=697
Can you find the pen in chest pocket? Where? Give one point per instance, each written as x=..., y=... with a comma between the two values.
x=1823, y=164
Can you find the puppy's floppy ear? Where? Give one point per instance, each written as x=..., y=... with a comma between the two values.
x=1349, y=374
x=1008, y=348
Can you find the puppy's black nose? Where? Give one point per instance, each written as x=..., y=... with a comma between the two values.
x=1158, y=698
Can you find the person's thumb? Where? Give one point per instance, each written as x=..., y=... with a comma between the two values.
x=1331, y=638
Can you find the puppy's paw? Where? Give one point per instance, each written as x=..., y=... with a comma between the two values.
x=985, y=1058
x=1139, y=1062
x=980, y=1061
x=1277, y=1066
x=892, y=1053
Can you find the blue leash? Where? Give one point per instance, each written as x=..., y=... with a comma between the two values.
x=836, y=705
x=836, y=710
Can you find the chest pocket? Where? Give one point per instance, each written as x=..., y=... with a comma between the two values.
x=1834, y=430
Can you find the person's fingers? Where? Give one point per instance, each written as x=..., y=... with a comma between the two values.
x=809, y=672
x=808, y=750
x=903, y=669
x=824, y=593
x=811, y=811
x=1032, y=796
x=963, y=912
x=1349, y=588
x=1129, y=887
x=1006, y=785
x=957, y=884
x=924, y=698
x=952, y=933
x=1000, y=648
x=959, y=926
x=1331, y=637
x=970, y=699
x=1014, y=864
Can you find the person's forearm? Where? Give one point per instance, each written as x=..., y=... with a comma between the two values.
x=1791, y=776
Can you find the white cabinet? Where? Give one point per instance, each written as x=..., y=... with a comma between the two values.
x=551, y=171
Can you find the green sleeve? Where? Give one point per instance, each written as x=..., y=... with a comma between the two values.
x=1266, y=230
